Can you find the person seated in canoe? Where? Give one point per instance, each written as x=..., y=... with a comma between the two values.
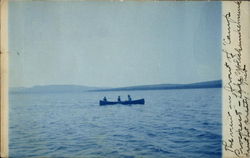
x=105, y=99
x=119, y=99
x=129, y=98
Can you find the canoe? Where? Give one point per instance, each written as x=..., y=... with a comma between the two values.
x=139, y=101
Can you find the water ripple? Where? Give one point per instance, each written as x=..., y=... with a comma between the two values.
x=174, y=124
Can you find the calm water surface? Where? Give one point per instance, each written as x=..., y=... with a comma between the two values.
x=172, y=124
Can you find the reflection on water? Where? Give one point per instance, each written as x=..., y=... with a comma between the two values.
x=172, y=123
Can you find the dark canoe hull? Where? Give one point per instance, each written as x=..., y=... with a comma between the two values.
x=140, y=101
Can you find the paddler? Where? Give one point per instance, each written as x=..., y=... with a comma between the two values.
x=129, y=98
x=119, y=99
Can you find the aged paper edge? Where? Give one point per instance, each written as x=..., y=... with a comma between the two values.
x=235, y=98
x=119, y=0
x=4, y=77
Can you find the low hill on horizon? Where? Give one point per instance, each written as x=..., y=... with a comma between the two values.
x=207, y=84
x=80, y=89
x=53, y=89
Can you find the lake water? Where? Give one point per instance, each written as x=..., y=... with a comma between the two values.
x=171, y=124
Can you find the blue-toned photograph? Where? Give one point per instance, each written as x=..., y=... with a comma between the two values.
x=111, y=79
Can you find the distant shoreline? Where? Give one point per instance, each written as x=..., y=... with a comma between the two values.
x=152, y=89
x=198, y=85
x=81, y=89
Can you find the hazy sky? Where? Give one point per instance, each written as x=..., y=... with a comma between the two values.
x=114, y=44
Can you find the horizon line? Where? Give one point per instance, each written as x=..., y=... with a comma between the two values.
x=109, y=87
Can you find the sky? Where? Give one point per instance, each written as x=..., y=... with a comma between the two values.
x=113, y=44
